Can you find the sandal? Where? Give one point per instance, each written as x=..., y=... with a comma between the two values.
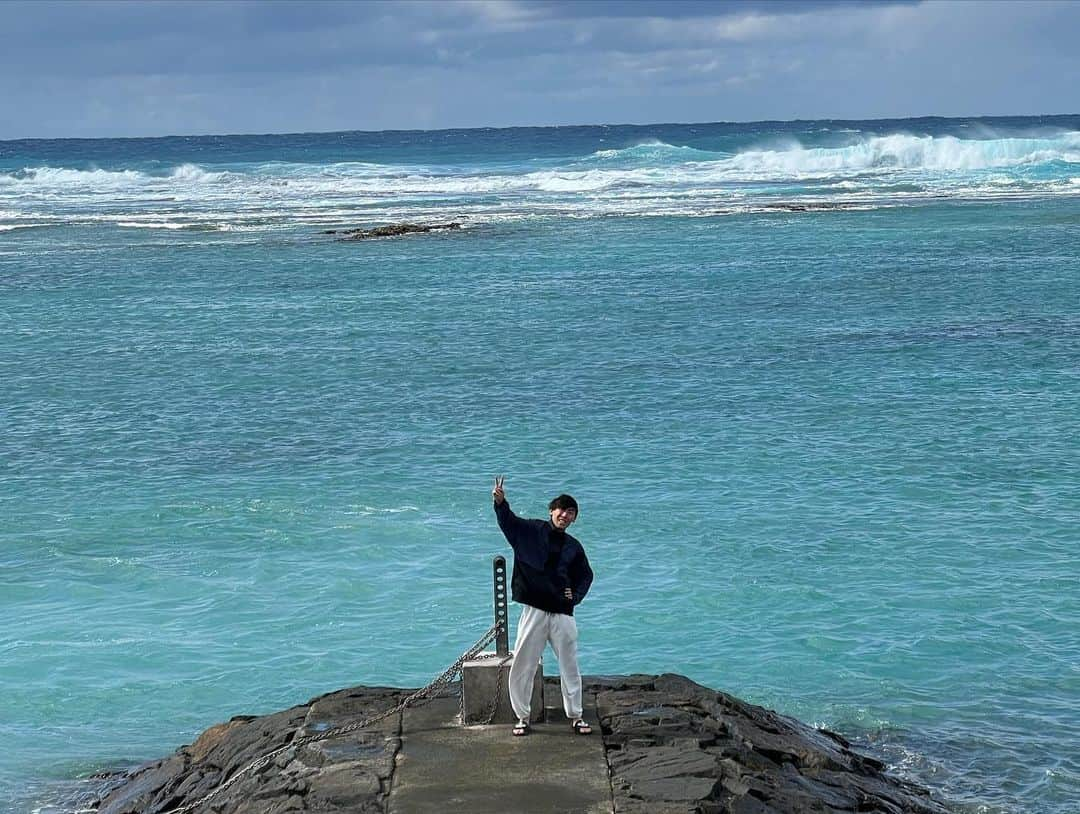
x=521, y=729
x=581, y=728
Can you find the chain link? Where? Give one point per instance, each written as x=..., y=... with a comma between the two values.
x=422, y=696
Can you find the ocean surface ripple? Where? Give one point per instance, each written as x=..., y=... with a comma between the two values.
x=827, y=459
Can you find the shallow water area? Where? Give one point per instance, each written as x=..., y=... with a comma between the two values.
x=826, y=458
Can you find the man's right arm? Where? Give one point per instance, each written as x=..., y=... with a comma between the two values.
x=513, y=527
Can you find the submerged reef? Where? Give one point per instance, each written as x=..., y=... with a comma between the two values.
x=393, y=230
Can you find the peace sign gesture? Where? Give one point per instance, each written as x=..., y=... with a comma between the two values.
x=497, y=492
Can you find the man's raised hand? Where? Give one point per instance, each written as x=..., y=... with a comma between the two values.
x=497, y=493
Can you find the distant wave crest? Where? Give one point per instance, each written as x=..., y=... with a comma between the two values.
x=652, y=151
x=649, y=177
x=105, y=179
x=906, y=152
x=60, y=176
x=650, y=163
x=196, y=174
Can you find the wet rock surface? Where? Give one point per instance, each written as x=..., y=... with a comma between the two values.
x=672, y=747
x=393, y=230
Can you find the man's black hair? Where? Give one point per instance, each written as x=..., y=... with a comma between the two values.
x=563, y=502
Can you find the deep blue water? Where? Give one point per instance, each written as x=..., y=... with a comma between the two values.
x=814, y=384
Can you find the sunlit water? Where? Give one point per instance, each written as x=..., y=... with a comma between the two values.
x=827, y=459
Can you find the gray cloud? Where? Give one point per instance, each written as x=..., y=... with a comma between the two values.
x=120, y=68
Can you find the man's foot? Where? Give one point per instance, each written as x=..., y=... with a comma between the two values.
x=581, y=728
x=521, y=729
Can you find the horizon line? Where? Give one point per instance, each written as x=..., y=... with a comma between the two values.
x=539, y=127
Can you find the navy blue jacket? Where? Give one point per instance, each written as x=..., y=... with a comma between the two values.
x=541, y=574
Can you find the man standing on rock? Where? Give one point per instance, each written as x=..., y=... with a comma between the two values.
x=551, y=575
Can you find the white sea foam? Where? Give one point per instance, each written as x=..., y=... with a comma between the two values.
x=644, y=178
x=364, y=509
x=906, y=152
x=196, y=174
x=59, y=177
x=104, y=180
x=156, y=225
x=884, y=153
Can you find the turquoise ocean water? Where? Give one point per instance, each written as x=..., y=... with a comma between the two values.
x=816, y=386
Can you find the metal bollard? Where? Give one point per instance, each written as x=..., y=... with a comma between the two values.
x=502, y=639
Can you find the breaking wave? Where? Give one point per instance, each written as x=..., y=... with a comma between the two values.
x=657, y=165
x=58, y=177
x=904, y=152
x=193, y=173
x=649, y=177
x=653, y=151
x=650, y=163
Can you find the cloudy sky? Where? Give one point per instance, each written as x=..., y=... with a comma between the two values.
x=128, y=68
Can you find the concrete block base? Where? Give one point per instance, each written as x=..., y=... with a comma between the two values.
x=484, y=680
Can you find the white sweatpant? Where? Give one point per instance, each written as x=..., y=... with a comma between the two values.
x=535, y=629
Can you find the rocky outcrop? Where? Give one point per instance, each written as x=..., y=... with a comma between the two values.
x=672, y=747
x=675, y=747
x=393, y=230
x=350, y=774
x=809, y=206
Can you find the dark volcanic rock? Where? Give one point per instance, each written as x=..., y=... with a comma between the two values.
x=393, y=230
x=347, y=774
x=675, y=746
x=810, y=206
x=672, y=747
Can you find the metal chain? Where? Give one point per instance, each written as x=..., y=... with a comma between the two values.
x=422, y=695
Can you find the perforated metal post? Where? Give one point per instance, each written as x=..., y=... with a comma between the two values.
x=502, y=640
x=485, y=698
